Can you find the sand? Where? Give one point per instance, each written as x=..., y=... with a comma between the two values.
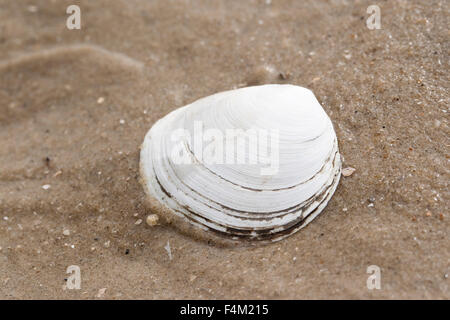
x=75, y=106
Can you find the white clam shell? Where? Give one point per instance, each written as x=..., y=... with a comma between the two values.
x=278, y=182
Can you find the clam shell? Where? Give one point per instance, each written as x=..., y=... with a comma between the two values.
x=256, y=163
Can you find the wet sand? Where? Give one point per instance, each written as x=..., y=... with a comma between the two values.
x=75, y=106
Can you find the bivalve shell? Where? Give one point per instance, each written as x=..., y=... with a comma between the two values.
x=256, y=163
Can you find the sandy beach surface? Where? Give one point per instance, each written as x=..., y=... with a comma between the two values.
x=75, y=106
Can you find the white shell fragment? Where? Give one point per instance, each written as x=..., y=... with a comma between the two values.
x=257, y=163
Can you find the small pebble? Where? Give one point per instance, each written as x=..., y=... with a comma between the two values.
x=100, y=100
x=46, y=186
x=101, y=292
x=122, y=121
x=139, y=221
x=346, y=172
x=152, y=220
x=66, y=232
x=428, y=214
